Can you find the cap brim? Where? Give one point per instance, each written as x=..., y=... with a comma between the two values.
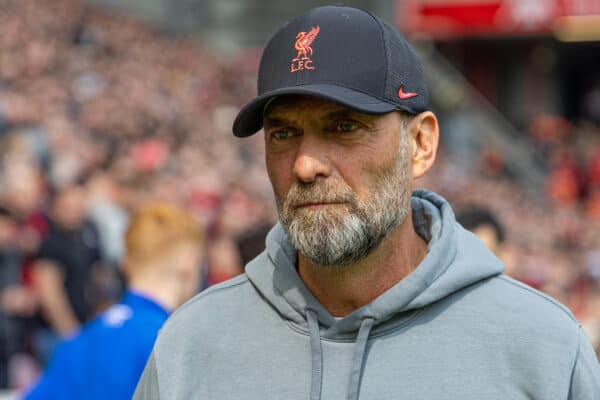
x=250, y=118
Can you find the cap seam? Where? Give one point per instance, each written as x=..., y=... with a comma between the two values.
x=385, y=50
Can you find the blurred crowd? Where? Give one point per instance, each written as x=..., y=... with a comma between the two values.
x=100, y=114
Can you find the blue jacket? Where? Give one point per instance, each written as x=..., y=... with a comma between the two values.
x=106, y=358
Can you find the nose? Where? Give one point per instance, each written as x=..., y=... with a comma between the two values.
x=311, y=160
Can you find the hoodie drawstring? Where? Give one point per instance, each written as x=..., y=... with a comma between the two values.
x=316, y=355
x=358, y=359
x=360, y=348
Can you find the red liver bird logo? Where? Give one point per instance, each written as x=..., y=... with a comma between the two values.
x=302, y=45
x=303, y=42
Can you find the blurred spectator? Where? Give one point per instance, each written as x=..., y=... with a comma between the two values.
x=252, y=243
x=548, y=132
x=22, y=193
x=63, y=270
x=484, y=225
x=105, y=360
x=564, y=180
x=106, y=210
x=22, y=226
x=16, y=301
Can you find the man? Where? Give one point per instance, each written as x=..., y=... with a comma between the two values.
x=17, y=302
x=363, y=291
x=485, y=225
x=62, y=273
x=106, y=359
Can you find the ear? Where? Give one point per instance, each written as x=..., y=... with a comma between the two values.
x=424, y=134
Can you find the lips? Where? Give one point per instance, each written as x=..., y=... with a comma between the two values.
x=318, y=196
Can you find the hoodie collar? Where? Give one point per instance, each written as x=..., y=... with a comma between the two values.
x=455, y=259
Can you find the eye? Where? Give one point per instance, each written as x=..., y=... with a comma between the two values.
x=282, y=134
x=347, y=126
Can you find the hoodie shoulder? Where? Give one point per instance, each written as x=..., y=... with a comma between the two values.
x=521, y=313
x=218, y=290
x=212, y=306
x=214, y=295
x=541, y=301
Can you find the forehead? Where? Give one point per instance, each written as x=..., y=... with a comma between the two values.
x=293, y=104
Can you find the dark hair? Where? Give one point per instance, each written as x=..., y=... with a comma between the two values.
x=55, y=190
x=250, y=244
x=473, y=217
x=5, y=212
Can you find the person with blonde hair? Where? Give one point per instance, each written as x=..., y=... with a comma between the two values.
x=164, y=247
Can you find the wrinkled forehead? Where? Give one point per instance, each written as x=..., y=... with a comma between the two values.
x=282, y=105
x=294, y=102
x=288, y=107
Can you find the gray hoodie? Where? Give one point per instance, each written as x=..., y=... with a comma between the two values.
x=455, y=328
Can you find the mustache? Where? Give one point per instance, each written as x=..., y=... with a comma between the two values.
x=319, y=192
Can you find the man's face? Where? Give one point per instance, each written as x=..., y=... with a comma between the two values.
x=488, y=235
x=341, y=178
x=69, y=207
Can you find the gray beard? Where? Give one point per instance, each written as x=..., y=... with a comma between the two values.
x=341, y=235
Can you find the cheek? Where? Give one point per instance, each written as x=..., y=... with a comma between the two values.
x=364, y=174
x=280, y=174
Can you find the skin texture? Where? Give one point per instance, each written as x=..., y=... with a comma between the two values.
x=315, y=141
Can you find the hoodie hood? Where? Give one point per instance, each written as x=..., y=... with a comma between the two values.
x=455, y=259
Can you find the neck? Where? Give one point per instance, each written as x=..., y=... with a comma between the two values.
x=343, y=289
x=167, y=292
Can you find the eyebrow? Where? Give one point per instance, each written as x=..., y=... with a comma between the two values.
x=274, y=121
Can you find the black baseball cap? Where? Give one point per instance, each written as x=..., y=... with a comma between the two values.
x=343, y=54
